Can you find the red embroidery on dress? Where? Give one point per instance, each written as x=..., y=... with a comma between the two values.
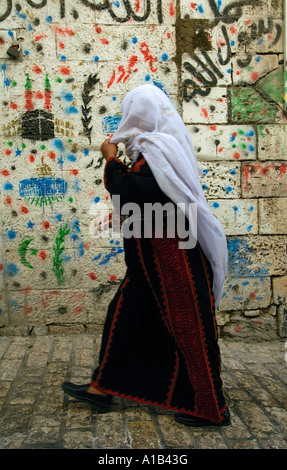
x=138, y=164
x=182, y=310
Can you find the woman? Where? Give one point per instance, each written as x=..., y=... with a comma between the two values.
x=159, y=343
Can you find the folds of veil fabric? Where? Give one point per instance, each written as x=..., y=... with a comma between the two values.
x=150, y=125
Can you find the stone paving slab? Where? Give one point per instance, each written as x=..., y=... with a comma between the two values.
x=36, y=414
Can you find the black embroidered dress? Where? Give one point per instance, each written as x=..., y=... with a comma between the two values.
x=159, y=343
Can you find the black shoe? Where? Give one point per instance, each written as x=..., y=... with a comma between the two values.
x=100, y=402
x=188, y=420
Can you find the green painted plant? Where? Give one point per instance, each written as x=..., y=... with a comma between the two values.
x=58, y=248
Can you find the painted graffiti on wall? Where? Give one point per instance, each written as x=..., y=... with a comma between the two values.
x=221, y=64
x=138, y=13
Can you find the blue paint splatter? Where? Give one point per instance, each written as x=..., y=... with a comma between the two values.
x=228, y=189
x=258, y=58
x=147, y=78
x=71, y=158
x=215, y=204
x=204, y=187
x=30, y=27
x=232, y=43
x=251, y=148
x=86, y=152
x=233, y=172
x=26, y=52
x=8, y=186
x=250, y=134
x=11, y=234
x=49, y=19
x=21, y=15
x=11, y=269
x=240, y=260
x=134, y=40
x=200, y=9
x=58, y=144
x=164, y=57
x=96, y=58
x=71, y=110
x=249, y=228
x=63, y=57
x=67, y=96
x=251, y=208
x=97, y=199
x=235, y=208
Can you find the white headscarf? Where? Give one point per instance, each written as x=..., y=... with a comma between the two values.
x=150, y=125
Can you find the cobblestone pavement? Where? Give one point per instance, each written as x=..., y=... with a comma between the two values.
x=36, y=414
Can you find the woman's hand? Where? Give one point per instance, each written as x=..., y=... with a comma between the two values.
x=108, y=149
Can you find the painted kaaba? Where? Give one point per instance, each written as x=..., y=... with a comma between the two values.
x=38, y=124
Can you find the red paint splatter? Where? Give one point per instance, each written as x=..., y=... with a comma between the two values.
x=168, y=35
x=8, y=152
x=24, y=210
x=27, y=290
x=104, y=41
x=192, y=5
x=31, y=158
x=237, y=73
x=13, y=105
x=2, y=41
x=233, y=30
x=8, y=200
x=52, y=155
x=148, y=57
x=255, y=76
x=247, y=22
x=39, y=95
x=37, y=69
x=65, y=70
x=220, y=149
x=93, y=276
x=42, y=254
x=74, y=172
x=46, y=224
x=238, y=329
x=62, y=45
x=205, y=113
x=171, y=9
x=64, y=32
x=236, y=155
x=98, y=29
x=1, y=267
x=113, y=278
x=111, y=79
x=283, y=168
x=78, y=310
x=213, y=128
x=253, y=295
x=137, y=5
x=5, y=172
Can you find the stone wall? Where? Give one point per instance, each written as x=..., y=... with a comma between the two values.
x=222, y=64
